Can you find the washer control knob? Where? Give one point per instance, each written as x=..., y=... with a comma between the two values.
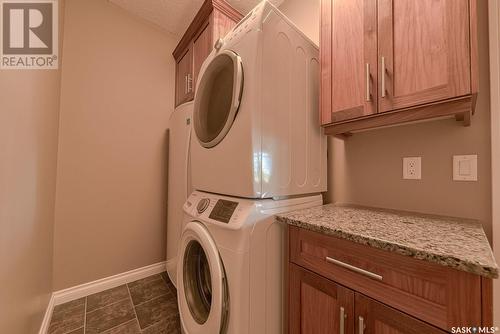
x=202, y=205
x=218, y=44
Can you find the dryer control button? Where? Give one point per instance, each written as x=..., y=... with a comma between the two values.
x=202, y=205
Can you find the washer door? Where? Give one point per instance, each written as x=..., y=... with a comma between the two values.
x=217, y=98
x=202, y=286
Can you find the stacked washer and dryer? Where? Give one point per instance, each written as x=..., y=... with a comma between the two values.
x=257, y=150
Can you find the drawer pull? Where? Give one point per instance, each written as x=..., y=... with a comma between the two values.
x=342, y=320
x=361, y=325
x=353, y=268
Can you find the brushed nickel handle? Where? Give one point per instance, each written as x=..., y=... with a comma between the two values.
x=361, y=325
x=343, y=316
x=353, y=268
x=189, y=83
x=368, y=98
x=383, y=76
x=185, y=84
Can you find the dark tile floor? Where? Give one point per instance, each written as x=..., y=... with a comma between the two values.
x=146, y=306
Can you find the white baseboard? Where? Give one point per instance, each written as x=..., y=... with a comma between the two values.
x=44, y=328
x=82, y=290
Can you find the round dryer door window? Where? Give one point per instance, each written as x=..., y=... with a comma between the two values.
x=202, y=286
x=217, y=98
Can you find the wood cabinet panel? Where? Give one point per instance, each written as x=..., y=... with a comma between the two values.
x=183, y=77
x=214, y=20
x=424, y=46
x=325, y=55
x=410, y=58
x=353, y=59
x=202, y=46
x=438, y=295
x=318, y=305
x=376, y=318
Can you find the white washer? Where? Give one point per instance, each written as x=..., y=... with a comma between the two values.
x=230, y=268
x=256, y=112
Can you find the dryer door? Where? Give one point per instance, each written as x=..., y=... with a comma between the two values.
x=217, y=98
x=202, y=286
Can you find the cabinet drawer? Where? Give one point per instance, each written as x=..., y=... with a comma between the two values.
x=436, y=294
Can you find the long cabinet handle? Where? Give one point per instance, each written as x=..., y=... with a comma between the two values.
x=368, y=98
x=361, y=325
x=382, y=60
x=353, y=268
x=342, y=320
x=185, y=84
x=189, y=83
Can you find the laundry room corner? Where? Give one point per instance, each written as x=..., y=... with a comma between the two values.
x=117, y=81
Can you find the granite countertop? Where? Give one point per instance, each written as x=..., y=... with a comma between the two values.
x=452, y=242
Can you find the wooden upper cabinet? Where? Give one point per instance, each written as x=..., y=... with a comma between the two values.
x=376, y=318
x=352, y=59
x=184, y=77
x=318, y=305
x=213, y=21
x=385, y=62
x=202, y=45
x=425, y=48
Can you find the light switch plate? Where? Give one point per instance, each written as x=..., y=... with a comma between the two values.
x=412, y=168
x=465, y=167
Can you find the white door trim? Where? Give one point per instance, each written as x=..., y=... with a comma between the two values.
x=82, y=290
x=494, y=45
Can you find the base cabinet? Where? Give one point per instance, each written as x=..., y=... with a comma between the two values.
x=339, y=286
x=318, y=305
x=373, y=317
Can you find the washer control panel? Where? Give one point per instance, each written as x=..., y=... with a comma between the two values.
x=203, y=205
x=223, y=210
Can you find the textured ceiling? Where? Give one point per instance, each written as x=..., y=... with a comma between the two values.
x=175, y=16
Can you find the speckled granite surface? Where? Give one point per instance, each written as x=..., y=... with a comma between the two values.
x=453, y=242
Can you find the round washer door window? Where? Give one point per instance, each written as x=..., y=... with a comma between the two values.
x=202, y=293
x=197, y=282
x=217, y=98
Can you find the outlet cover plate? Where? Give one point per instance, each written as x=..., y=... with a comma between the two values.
x=465, y=167
x=412, y=168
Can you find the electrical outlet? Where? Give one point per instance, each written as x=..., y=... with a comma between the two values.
x=412, y=168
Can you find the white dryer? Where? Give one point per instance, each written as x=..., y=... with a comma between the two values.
x=231, y=264
x=256, y=120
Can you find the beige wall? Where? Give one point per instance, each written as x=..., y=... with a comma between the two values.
x=116, y=98
x=29, y=112
x=305, y=15
x=367, y=168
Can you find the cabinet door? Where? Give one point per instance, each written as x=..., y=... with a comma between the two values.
x=348, y=59
x=373, y=317
x=202, y=46
x=424, y=51
x=318, y=305
x=184, y=77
